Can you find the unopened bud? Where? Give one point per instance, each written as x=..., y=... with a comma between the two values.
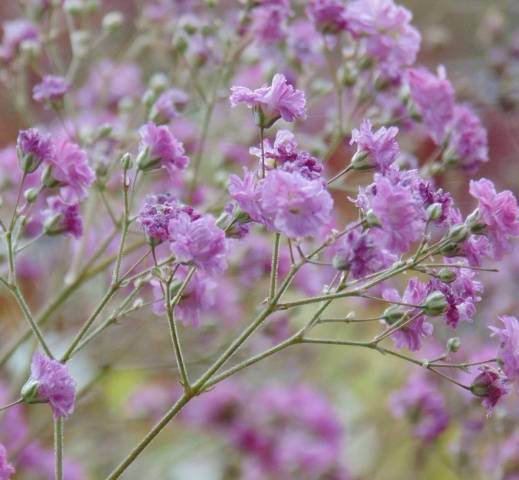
x=126, y=161
x=458, y=233
x=446, y=275
x=393, y=314
x=80, y=41
x=453, y=344
x=113, y=21
x=434, y=211
x=435, y=304
x=159, y=82
x=361, y=160
x=341, y=263
x=371, y=220
x=31, y=194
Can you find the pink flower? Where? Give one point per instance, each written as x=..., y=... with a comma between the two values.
x=16, y=32
x=329, y=16
x=294, y=205
x=269, y=22
x=167, y=105
x=199, y=241
x=433, y=97
x=247, y=193
x=61, y=217
x=380, y=147
x=425, y=407
x=410, y=335
x=277, y=100
x=70, y=169
x=389, y=36
x=35, y=148
x=50, y=382
x=6, y=469
x=468, y=139
x=490, y=386
x=159, y=148
x=51, y=89
x=498, y=212
x=509, y=349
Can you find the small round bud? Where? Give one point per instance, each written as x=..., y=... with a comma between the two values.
x=159, y=82
x=458, y=233
x=31, y=194
x=435, y=304
x=451, y=249
x=341, y=263
x=180, y=43
x=113, y=21
x=74, y=7
x=434, y=211
x=30, y=49
x=474, y=223
x=80, y=41
x=371, y=220
x=446, y=275
x=453, y=344
x=104, y=130
x=393, y=314
x=29, y=392
x=361, y=160
x=126, y=161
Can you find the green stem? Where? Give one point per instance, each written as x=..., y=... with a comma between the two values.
x=274, y=266
x=58, y=447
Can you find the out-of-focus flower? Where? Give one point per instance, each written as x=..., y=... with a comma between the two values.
x=509, y=350
x=50, y=382
x=329, y=16
x=16, y=32
x=499, y=213
x=280, y=99
x=61, y=217
x=6, y=469
x=166, y=107
x=51, y=89
x=433, y=97
x=269, y=21
x=424, y=405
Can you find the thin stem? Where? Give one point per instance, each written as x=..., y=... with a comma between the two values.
x=170, y=306
x=274, y=266
x=17, y=402
x=344, y=171
x=262, y=147
x=124, y=228
x=58, y=447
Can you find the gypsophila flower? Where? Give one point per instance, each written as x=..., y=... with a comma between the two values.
x=167, y=106
x=61, y=217
x=6, y=469
x=499, y=212
x=433, y=97
x=280, y=99
x=50, y=382
x=160, y=148
x=71, y=171
x=509, y=349
x=374, y=149
x=51, y=89
x=489, y=385
x=424, y=405
x=294, y=205
x=16, y=32
x=35, y=148
x=390, y=38
x=269, y=21
x=199, y=241
x=329, y=16
x=468, y=141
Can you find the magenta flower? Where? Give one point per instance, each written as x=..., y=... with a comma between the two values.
x=398, y=211
x=6, y=469
x=329, y=16
x=490, y=386
x=410, y=336
x=34, y=147
x=425, y=407
x=277, y=100
x=51, y=89
x=509, y=349
x=50, y=382
x=269, y=22
x=160, y=148
x=468, y=139
x=167, y=106
x=499, y=212
x=199, y=241
x=16, y=32
x=247, y=193
x=294, y=205
x=433, y=96
x=375, y=149
x=71, y=171
x=390, y=38
x=158, y=211
x=361, y=253
x=61, y=217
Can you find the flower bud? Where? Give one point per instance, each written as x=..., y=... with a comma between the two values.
x=434, y=211
x=393, y=314
x=458, y=233
x=112, y=21
x=371, y=220
x=126, y=161
x=104, y=130
x=31, y=194
x=80, y=41
x=149, y=98
x=435, y=304
x=474, y=223
x=446, y=275
x=29, y=391
x=341, y=263
x=30, y=49
x=361, y=161
x=453, y=344
x=451, y=250
x=159, y=82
